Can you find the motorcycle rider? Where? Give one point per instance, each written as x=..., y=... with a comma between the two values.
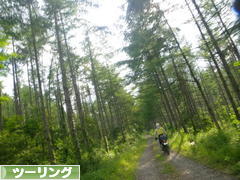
x=159, y=133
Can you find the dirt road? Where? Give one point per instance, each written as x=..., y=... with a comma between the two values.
x=174, y=166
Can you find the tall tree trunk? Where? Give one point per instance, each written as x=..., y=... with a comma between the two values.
x=119, y=116
x=234, y=47
x=15, y=84
x=175, y=105
x=29, y=84
x=36, y=97
x=230, y=97
x=221, y=89
x=166, y=100
x=76, y=90
x=162, y=119
x=68, y=103
x=189, y=102
x=162, y=100
x=18, y=91
x=105, y=113
x=47, y=135
x=62, y=121
x=219, y=52
x=99, y=127
x=1, y=110
x=209, y=108
x=48, y=96
x=85, y=104
x=113, y=121
x=95, y=84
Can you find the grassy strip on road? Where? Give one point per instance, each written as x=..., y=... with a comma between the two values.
x=165, y=166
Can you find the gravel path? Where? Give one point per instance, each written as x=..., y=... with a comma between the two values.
x=150, y=169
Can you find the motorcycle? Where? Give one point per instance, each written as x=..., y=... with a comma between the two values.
x=164, y=143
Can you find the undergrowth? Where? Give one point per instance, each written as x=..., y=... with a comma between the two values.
x=218, y=149
x=120, y=163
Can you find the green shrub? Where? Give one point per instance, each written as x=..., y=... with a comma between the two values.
x=219, y=149
x=118, y=166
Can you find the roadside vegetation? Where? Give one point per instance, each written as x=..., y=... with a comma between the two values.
x=217, y=149
x=120, y=163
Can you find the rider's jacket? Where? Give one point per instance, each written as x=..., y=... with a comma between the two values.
x=159, y=131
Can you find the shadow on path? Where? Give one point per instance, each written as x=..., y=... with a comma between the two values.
x=151, y=169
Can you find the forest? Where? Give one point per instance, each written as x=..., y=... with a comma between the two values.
x=74, y=99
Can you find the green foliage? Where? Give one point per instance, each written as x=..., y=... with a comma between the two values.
x=237, y=63
x=64, y=153
x=11, y=144
x=4, y=98
x=219, y=149
x=120, y=165
x=20, y=143
x=3, y=55
x=3, y=42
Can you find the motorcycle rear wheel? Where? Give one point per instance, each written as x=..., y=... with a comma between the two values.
x=166, y=150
